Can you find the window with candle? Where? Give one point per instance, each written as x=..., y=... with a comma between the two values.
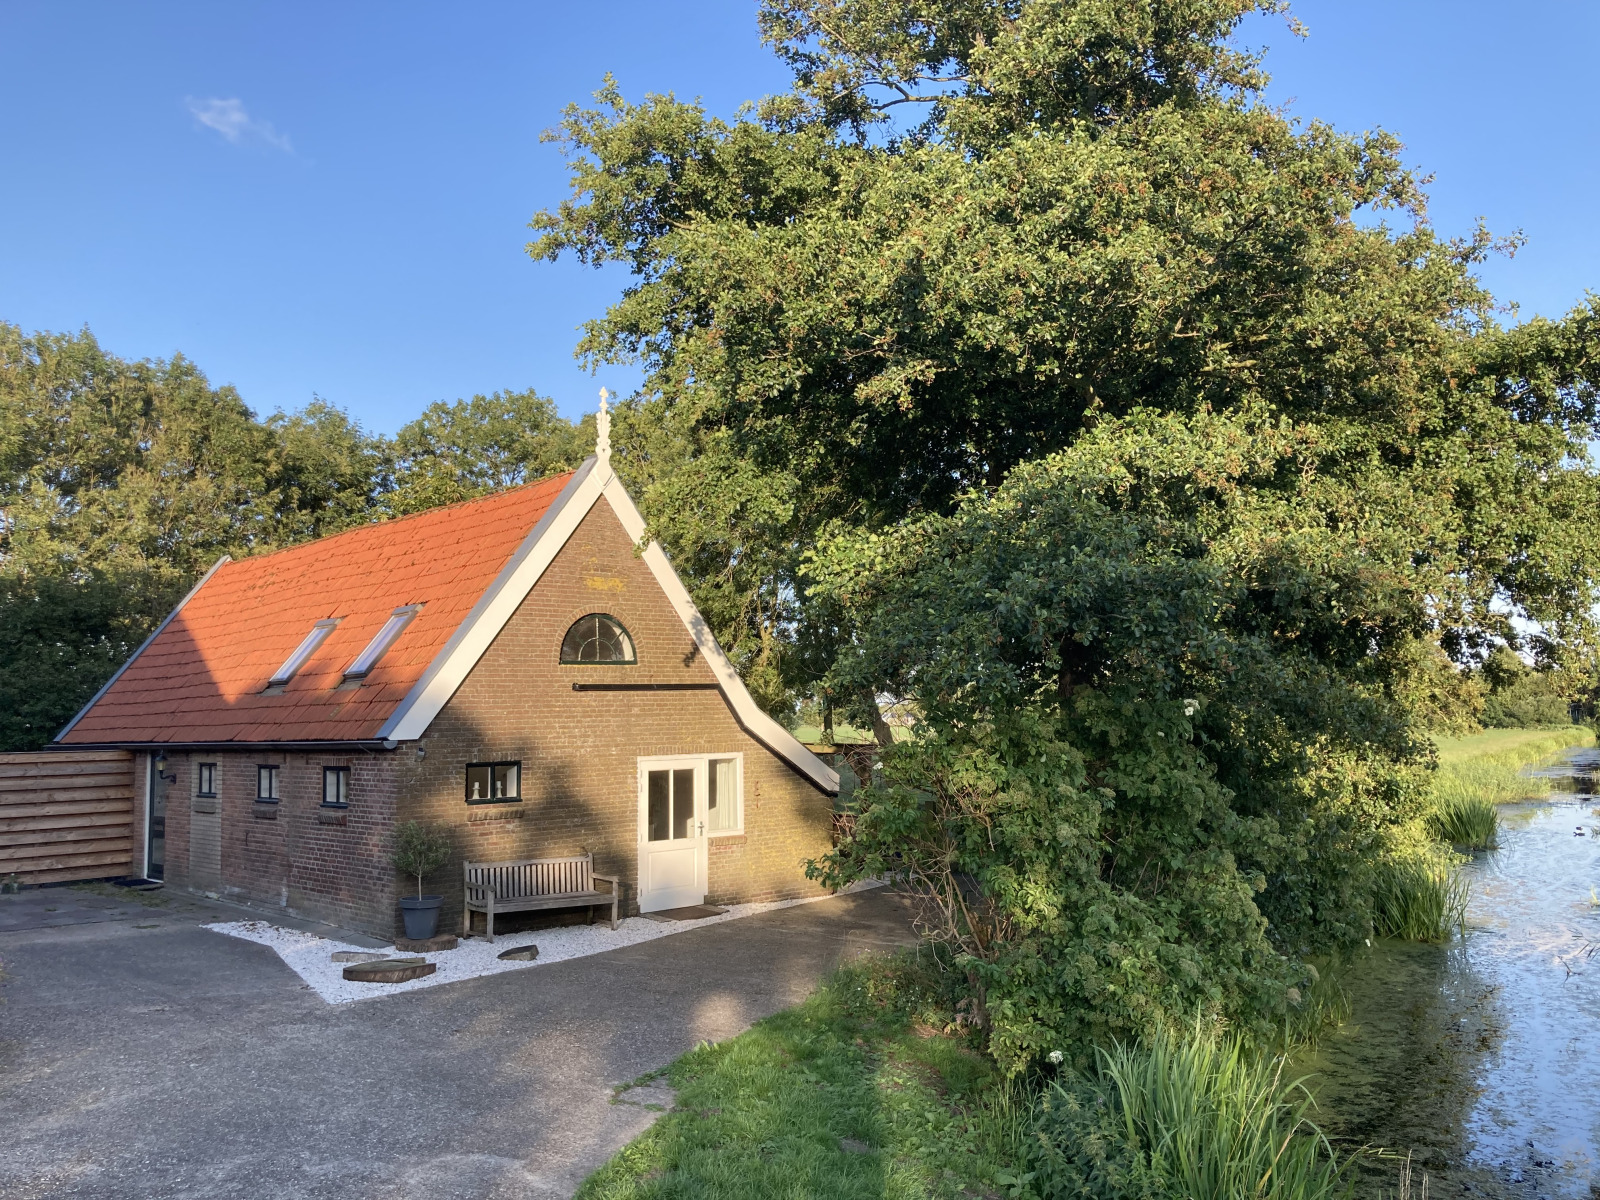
x=494, y=783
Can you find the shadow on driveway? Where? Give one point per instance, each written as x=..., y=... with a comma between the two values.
x=155, y=1058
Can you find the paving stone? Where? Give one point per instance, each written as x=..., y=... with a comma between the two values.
x=389, y=970
x=427, y=945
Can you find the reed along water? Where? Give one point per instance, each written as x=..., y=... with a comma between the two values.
x=1482, y=1058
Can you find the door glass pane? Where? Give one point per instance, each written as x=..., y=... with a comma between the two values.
x=683, y=802
x=722, y=795
x=158, y=824
x=658, y=801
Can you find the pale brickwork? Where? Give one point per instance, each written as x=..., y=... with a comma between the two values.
x=579, y=750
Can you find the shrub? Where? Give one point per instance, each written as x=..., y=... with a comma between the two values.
x=419, y=850
x=1526, y=707
x=1198, y=1117
x=1521, y=697
x=1152, y=770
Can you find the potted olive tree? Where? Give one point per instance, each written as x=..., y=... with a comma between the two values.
x=420, y=851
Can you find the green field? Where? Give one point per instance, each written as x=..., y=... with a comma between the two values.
x=1522, y=746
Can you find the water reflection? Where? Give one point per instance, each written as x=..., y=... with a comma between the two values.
x=1481, y=1058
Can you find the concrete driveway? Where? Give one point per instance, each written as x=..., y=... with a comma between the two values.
x=141, y=1055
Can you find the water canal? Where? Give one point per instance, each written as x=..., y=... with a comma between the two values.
x=1482, y=1058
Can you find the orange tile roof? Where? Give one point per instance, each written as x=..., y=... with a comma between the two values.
x=202, y=678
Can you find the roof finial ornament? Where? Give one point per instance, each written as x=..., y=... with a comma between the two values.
x=602, y=430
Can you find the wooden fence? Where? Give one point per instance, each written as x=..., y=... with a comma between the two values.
x=67, y=814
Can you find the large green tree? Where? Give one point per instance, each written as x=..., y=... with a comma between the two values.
x=1090, y=212
x=455, y=451
x=1024, y=366
x=120, y=482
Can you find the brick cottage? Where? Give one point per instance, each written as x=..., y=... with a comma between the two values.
x=509, y=668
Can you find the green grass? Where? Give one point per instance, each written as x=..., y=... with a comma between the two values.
x=844, y=1096
x=1520, y=747
x=1193, y=1115
x=1469, y=821
x=1479, y=772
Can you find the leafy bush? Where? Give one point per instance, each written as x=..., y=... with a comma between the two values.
x=1521, y=697
x=419, y=850
x=1197, y=1117
x=1154, y=769
x=1529, y=704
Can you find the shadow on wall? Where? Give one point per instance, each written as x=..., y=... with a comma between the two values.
x=336, y=866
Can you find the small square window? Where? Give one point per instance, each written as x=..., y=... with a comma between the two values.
x=267, y=783
x=494, y=783
x=335, y=787
x=208, y=780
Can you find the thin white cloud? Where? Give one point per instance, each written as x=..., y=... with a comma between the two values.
x=229, y=118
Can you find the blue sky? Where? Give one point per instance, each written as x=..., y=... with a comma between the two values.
x=332, y=199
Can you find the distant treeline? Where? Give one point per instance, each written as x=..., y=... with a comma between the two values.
x=120, y=482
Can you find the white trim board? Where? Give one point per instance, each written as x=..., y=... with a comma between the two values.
x=488, y=617
x=457, y=657
x=751, y=715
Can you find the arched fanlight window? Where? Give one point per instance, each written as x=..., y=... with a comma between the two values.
x=597, y=638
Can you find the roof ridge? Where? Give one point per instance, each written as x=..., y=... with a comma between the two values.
x=427, y=512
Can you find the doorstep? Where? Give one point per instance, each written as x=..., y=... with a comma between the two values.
x=690, y=912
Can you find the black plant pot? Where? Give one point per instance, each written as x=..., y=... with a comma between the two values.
x=422, y=916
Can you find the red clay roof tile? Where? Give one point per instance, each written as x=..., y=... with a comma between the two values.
x=203, y=678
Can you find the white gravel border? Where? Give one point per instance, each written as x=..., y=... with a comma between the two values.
x=310, y=956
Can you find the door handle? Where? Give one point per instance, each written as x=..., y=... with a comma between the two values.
x=702, y=829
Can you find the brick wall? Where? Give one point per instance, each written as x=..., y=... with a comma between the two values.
x=328, y=864
x=579, y=750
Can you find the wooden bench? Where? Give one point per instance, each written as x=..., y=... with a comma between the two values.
x=535, y=883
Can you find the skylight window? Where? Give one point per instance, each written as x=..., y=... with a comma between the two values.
x=381, y=641
x=303, y=651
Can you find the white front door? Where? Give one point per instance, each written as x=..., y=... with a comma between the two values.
x=672, y=833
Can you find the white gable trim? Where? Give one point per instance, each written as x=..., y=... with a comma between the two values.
x=132, y=658
x=751, y=715
x=450, y=667
x=488, y=617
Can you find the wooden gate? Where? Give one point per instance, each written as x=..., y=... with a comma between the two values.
x=67, y=814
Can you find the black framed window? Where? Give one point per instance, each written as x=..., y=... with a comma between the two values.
x=597, y=638
x=207, y=780
x=335, y=787
x=494, y=783
x=267, y=783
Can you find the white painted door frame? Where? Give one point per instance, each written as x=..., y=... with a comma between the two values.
x=673, y=870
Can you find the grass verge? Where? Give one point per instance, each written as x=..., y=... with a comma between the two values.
x=856, y=1093
x=847, y=1095
x=1478, y=773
